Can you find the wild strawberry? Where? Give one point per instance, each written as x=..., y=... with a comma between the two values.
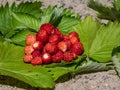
x=57, y=57
x=38, y=45
x=46, y=58
x=68, y=56
x=68, y=43
x=49, y=28
x=51, y=48
x=27, y=58
x=30, y=39
x=74, y=55
x=36, y=53
x=66, y=37
x=42, y=36
x=28, y=49
x=54, y=38
x=73, y=34
x=77, y=48
x=57, y=31
x=36, y=61
x=62, y=46
x=74, y=39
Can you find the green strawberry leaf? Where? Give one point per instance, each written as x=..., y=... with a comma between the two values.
x=58, y=70
x=1, y=37
x=67, y=23
x=107, y=38
x=87, y=30
x=11, y=64
x=116, y=62
x=24, y=20
x=60, y=17
x=70, y=13
x=46, y=15
x=56, y=16
x=31, y=8
x=98, y=42
x=6, y=27
x=116, y=4
x=106, y=12
x=6, y=20
x=91, y=66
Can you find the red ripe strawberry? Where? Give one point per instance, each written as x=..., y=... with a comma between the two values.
x=65, y=37
x=62, y=46
x=28, y=49
x=49, y=28
x=54, y=38
x=30, y=39
x=74, y=39
x=73, y=34
x=46, y=58
x=51, y=48
x=57, y=57
x=42, y=36
x=36, y=61
x=36, y=53
x=77, y=48
x=68, y=43
x=27, y=58
x=38, y=45
x=68, y=56
x=57, y=31
x=74, y=55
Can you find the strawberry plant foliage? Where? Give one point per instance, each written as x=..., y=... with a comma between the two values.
x=98, y=42
x=106, y=12
x=11, y=64
x=116, y=62
x=13, y=17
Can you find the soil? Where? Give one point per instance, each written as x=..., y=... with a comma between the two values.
x=106, y=80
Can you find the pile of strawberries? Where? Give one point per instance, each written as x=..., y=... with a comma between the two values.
x=50, y=45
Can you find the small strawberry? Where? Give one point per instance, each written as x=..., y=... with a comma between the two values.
x=30, y=39
x=62, y=46
x=65, y=37
x=36, y=53
x=28, y=49
x=74, y=56
x=77, y=48
x=42, y=36
x=46, y=58
x=57, y=57
x=74, y=39
x=50, y=48
x=73, y=34
x=49, y=28
x=54, y=38
x=68, y=56
x=68, y=43
x=38, y=45
x=27, y=58
x=36, y=61
x=57, y=31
